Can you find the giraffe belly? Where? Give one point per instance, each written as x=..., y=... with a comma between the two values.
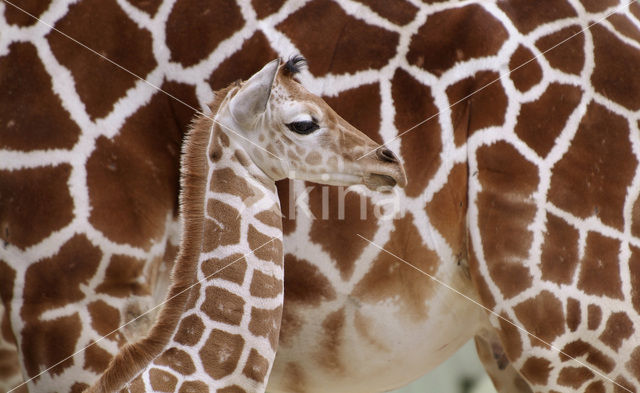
x=352, y=345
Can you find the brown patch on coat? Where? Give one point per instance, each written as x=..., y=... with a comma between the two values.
x=540, y=122
x=33, y=204
x=15, y=16
x=527, y=16
x=634, y=270
x=595, y=387
x=633, y=7
x=624, y=386
x=98, y=83
x=265, y=285
x=284, y=188
x=390, y=279
x=31, y=115
x=96, y=358
x=611, y=76
x=231, y=268
x=9, y=363
x=304, y=283
x=525, y=71
x=510, y=338
x=123, y=277
x=266, y=323
x=77, y=387
x=194, y=387
x=447, y=210
x=573, y=315
x=598, y=5
x=231, y=389
x=7, y=282
x=623, y=25
x=105, y=319
x=328, y=356
x=618, y=328
x=313, y=158
x=543, y=317
x=478, y=279
x=190, y=330
x=46, y=288
x=421, y=146
x=574, y=376
x=264, y=247
x=256, y=367
x=265, y=8
x=401, y=13
x=505, y=213
x=455, y=35
x=178, y=360
x=220, y=354
x=223, y=306
x=568, y=49
x=536, y=370
x=162, y=381
x=559, y=257
x=578, y=348
x=335, y=42
x=486, y=99
x=49, y=343
x=148, y=6
x=224, y=229
x=601, y=157
x=249, y=59
x=270, y=217
x=600, y=267
x=335, y=232
x=190, y=45
x=633, y=365
x=133, y=177
x=351, y=104
x=594, y=316
x=182, y=114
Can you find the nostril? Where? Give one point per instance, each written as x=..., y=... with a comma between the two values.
x=386, y=155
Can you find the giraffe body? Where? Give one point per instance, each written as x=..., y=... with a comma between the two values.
x=519, y=166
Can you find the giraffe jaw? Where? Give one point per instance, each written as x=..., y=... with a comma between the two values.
x=381, y=182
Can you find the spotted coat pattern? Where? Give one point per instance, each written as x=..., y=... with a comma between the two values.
x=533, y=179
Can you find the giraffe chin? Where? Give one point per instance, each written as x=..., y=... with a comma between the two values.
x=380, y=183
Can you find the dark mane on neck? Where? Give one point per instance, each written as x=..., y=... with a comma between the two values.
x=134, y=357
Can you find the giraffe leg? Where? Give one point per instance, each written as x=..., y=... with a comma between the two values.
x=504, y=376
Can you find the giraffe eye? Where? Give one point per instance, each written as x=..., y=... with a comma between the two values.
x=303, y=127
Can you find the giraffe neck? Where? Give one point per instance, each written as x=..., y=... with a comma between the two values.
x=225, y=332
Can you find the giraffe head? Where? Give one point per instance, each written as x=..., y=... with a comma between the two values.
x=295, y=134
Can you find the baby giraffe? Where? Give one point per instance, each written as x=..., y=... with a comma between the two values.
x=218, y=331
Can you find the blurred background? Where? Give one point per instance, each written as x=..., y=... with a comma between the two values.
x=462, y=373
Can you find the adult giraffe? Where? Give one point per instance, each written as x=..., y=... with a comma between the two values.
x=552, y=197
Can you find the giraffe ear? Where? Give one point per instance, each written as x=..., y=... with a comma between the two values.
x=251, y=100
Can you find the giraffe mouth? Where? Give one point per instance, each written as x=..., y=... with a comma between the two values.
x=379, y=182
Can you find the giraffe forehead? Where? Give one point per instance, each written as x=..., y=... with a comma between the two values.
x=299, y=111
